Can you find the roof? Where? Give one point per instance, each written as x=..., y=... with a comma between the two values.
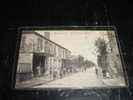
x=31, y=32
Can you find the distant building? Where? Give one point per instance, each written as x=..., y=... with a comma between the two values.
x=39, y=56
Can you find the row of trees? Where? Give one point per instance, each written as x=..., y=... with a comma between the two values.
x=79, y=63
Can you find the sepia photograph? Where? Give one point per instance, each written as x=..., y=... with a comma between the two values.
x=69, y=59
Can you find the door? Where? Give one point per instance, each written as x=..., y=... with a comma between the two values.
x=38, y=65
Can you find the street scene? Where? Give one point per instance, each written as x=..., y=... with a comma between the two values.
x=69, y=59
x=80, y=80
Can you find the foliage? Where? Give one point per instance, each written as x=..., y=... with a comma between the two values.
x=102, y=53
x=80, y=62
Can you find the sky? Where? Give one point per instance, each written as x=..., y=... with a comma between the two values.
x=78, y=42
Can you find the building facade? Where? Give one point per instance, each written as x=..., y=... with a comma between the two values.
x=39, y=56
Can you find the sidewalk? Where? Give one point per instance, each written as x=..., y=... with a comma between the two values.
x=33, y=82
x=81, y=79
x=36, y=81
x=114, y=82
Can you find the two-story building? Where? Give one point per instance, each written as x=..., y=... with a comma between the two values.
x=39, y=56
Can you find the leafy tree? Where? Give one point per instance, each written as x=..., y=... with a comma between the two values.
x=89, y=63
x=80, y=62
x=102, y=53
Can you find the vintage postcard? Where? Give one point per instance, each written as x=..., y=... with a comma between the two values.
x=69, y=59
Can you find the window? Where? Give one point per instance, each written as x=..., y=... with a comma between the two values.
x=54, y=59
x=39, y=46
x=23, y=43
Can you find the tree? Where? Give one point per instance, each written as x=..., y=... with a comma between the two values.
x=80, y=60
x=102, y=54
x=80, y=63
x=89, y=64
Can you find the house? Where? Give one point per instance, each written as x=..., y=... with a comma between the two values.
x=40, y=56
